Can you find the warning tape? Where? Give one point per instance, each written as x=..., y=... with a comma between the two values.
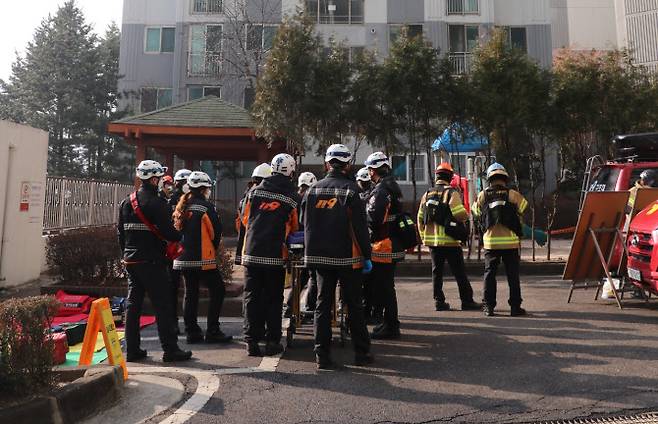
x=567, y=230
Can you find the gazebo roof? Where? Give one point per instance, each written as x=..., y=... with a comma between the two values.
x=207, y=112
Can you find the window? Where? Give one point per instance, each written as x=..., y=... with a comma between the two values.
x=335, y=11
x=155, y=98
x=160, y=40
x=463, y=7
x=412, y=31
x=249, y=97
x=261, y=37
x=205, y=50
x=463, y=38
x=516, y=38
x=197, y=92
x=207, y=6
x=402, y=168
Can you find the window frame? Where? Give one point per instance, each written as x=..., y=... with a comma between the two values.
x=160, y=29
x=157, y=97
x=263, y=25
x=203, y=91
x=205, y=51
x=407, y=180
x=207, y=12
x=463, y=11
x=317, y=17
x=400, y=26
x=464, y=28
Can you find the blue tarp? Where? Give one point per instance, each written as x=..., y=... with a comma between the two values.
x=451, y=140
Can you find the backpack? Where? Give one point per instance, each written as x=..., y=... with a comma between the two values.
x=406, y=231
x=457, y=230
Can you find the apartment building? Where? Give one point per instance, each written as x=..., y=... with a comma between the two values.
x=173, y=51
x=637, y=29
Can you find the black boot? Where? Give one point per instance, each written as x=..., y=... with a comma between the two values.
x=518, y=311
x=324, y=362
x=273, y=348
x=137, y=356
x=177, y=355
x=363, y=359
x=386, y=333
x=442, y=306
x=193, y=338
x=218, y=336
x=488, y=310
x=471, y=306
x=253, y=349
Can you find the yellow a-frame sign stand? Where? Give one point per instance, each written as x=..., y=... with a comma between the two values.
x=100, y=319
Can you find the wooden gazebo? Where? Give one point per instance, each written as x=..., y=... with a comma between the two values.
x=204, y=129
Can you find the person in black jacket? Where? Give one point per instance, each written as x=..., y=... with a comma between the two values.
x=337, y=247
x=383, y=208
x=262, y=171
x=371, y=308
x=269, y=215
x=145, y=261
x=197, y=219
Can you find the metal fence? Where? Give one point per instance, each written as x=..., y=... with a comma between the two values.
x=78, y=203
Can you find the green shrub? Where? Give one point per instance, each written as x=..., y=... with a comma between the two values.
x=26, y=351
x=88, y=255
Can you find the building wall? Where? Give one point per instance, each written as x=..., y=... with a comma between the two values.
x=584, y=24
x=638, y=23
x=23, y=161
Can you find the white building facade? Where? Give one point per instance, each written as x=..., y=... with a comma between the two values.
x=637, y=29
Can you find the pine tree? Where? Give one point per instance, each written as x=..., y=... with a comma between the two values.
x=52, y=87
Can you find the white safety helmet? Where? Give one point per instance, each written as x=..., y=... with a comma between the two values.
x=363, y=175
x=182, y=174
x=149, y=169
x=283, y=164
x=198, y=179
x=496, y=169
x=263, y=170
x=339, y=152
x=307, y=179
x=376, y=160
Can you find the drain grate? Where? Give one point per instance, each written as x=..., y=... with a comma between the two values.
x=648, y=418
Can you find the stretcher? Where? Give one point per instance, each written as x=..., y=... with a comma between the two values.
x=294, y=267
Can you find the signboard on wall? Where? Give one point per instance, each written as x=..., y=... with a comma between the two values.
x=31, y=200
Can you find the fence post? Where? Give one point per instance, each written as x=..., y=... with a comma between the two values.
x=115, y=202
x=62, y=199
x=92, y=192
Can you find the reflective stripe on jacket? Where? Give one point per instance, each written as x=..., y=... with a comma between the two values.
x=202, y=232
x=500, y=237
x=433, y=234
x=382, y=209
x=269, y=215
x=335, y=229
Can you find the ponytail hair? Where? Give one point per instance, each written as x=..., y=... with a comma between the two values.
x=180, y=215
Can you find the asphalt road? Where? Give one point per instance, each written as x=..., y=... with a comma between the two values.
x=563, y=361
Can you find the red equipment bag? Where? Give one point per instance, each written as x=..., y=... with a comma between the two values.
x=73, y=304
x=174, y=248
x=61, y=347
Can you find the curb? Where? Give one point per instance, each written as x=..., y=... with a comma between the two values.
x=423, y=268
x=93, y=388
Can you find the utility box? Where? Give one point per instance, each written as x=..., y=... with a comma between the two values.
x=23, y=163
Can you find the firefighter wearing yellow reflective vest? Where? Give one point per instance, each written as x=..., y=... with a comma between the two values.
x=500, y=210
x=383, y=207
x=442, y=220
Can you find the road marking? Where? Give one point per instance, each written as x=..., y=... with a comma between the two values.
x=207, y=384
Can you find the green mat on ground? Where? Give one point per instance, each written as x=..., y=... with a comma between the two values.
x=72, y=358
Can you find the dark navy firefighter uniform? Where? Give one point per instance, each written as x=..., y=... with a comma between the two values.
x=336, y=245
x=268, y=216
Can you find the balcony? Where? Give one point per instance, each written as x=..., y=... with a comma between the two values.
x=463, y=7
x=207, y=6
x=208, y=64
x=461, y=62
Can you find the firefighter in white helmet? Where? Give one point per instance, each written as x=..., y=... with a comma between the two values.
x=262, y=171
x=269, y=216
x=337, y=247
x=500, y=209
x=144, y=223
